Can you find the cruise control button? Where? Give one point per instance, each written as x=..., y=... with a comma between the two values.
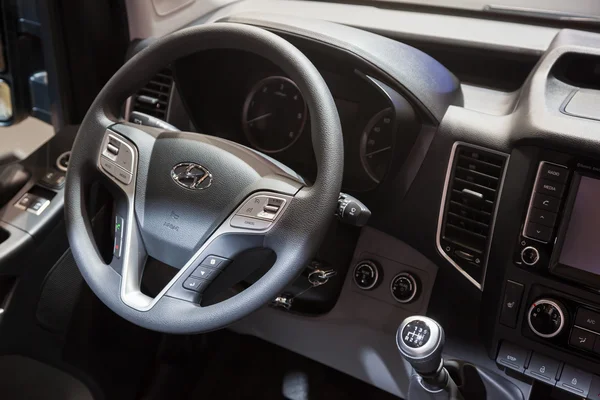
x=588, y=319
x=551, y=188
x=575, y=381
x=254, y=224
x=512, y=356
x=194, y=284
x=539, y=232
x=542, y=217
x=253, y=206
x=205, y=273
x=543, y=368
x=544, y=202
x=213, y=261
x=582, y=339
x=553, y=172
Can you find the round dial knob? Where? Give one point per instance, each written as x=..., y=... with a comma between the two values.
x=547, y=317
x=530, y=255
x=366, y=275
x=404, y=287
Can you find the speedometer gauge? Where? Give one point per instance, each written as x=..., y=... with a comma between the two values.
x=274, y=114
x=376, y=144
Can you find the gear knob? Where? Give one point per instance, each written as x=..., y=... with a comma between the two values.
x=421, y=341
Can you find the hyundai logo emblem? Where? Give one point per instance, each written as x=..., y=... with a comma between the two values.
x=191, y=176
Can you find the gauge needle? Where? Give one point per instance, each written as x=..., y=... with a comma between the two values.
x=267, y=115
x=377, y=151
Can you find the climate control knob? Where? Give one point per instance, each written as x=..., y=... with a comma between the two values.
x=366, y=275
x=547, y=318
x=404, y=287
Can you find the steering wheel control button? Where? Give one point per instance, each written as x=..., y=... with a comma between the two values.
x=206, y=273
x=262, y=207
x=125, y=158
x=416, y=334
x=118, y=247
x=546, y=318
x=582, y=339
x=543, y=368
x=512, y=356
x=195, y=284
x=511, y=304
x=530, y=256
x=255, y=224
x=366, y=275
x=214, y=262
x=404, y=287
x=115, y=171
x=575, y=381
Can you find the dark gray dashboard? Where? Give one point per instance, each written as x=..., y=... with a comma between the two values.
x=525, y=126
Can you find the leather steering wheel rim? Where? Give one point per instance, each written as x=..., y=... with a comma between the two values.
x=294, y=236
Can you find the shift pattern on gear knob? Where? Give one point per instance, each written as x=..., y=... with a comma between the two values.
x=420, y=341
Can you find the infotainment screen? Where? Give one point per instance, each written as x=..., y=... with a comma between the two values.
x=581, y=245
x=577, y=251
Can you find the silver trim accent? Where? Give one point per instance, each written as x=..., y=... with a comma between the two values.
x=34, y=212
x=414, y=282
x=492, y=225
x=533, y=192
x=428, y=348
x=536, y=260
x=58, y=165
x=560, y=311
x=197, y=181
x=372, y=265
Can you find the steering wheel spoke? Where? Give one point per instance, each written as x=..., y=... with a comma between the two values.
x=245, y=229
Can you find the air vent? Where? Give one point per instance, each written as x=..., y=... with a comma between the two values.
x=473, y=185
x=153, y=99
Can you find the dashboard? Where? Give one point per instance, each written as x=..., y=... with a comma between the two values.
x=485, y=195
x=252, y=102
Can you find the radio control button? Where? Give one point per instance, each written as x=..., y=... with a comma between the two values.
x=554, y=172
x=538, y=232
x=542, y=217
x=530, y=255
x=543, y=202
x=550, y=188
x=588, y=319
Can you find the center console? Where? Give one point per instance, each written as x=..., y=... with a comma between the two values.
x=548, y=323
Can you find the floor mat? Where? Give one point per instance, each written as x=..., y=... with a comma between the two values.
x=244, y=367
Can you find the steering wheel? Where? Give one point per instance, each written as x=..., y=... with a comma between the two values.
x=196, y=202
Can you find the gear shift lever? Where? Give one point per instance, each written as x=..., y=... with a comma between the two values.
x=421, y=341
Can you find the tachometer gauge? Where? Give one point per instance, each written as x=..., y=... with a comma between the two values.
x=274, y=114
x=376, y=144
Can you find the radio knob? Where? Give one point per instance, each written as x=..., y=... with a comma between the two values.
x=530, y=255
x=547, y=318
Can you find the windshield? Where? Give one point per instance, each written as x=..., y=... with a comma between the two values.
x=574, y=10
